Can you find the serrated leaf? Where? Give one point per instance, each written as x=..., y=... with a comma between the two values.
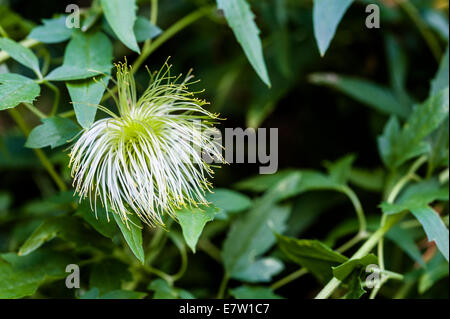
x=52, y=31
x=16, y=89
x=132, y=233
x=326, y=17
x=86, y=95
x=371, y=94
x=54, y=132
x=441, y=81
x=311, y=254
x=261, y=183
x=192, y=222
x=254, y=292
x=86, y=55
x=241, y=20
x=21, y=54
x=339, y=171
x=262, y=270
x=397, y=145
x=121, y=16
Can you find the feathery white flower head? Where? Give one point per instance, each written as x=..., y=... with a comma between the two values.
x=144, y=160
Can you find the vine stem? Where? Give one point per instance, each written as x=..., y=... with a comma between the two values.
x=17, y=117
x=386, y=224
x=289, y=278
x=358, y=209
x=362, y=251
x=223, y=286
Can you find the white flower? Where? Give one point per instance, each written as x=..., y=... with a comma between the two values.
x=146, y=161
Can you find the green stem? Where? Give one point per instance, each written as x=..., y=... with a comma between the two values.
x=223, y=286
x=362, y=251
x=35, y=110
x=358, y=209
x=57, y=95
x=289, y=278
x=39, y=153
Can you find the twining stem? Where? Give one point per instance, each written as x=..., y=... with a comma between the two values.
x=391, y=198
x=362, y=251
x=386, y=224
x=57, y=95
x=34, y=110
x=154, y=12
x=358, y=209
x=289, y=278
x=39, y=153
x=223, y=286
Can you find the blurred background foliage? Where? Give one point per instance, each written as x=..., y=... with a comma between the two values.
x=324, y=107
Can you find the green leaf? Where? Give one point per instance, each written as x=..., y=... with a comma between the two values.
x=326, y=16
x=52, y=31
x=436, y=270
x=261, y=270
x=54, y=132
x=397, y=145
x=86, y=95
x=21, y=276
x=66, y=228
x=228, y=200
x=311, y=254
x=371, y=180
x=261, y=183
x=86, y=55
x=253, y=233
x=164, y=291
x=92, y=293
x=100, y=221
x=21, y=54
x=344, y=270
x=192, y=222
x=404, y=239
x=434, y=227
x=241, y=20
x=109, y=275
x=123, y=294
x=144, y=29
x=416, y=199
x=398, y=69
x=339, y=171
x=132, y=232
x=16, y=89
x=121, y=16
x=370, y=94
x=254, y=292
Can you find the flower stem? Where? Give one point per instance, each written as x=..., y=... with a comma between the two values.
x=223, y=286
x=289, y=278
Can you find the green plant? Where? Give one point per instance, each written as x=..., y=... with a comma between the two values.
x=347, y=225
